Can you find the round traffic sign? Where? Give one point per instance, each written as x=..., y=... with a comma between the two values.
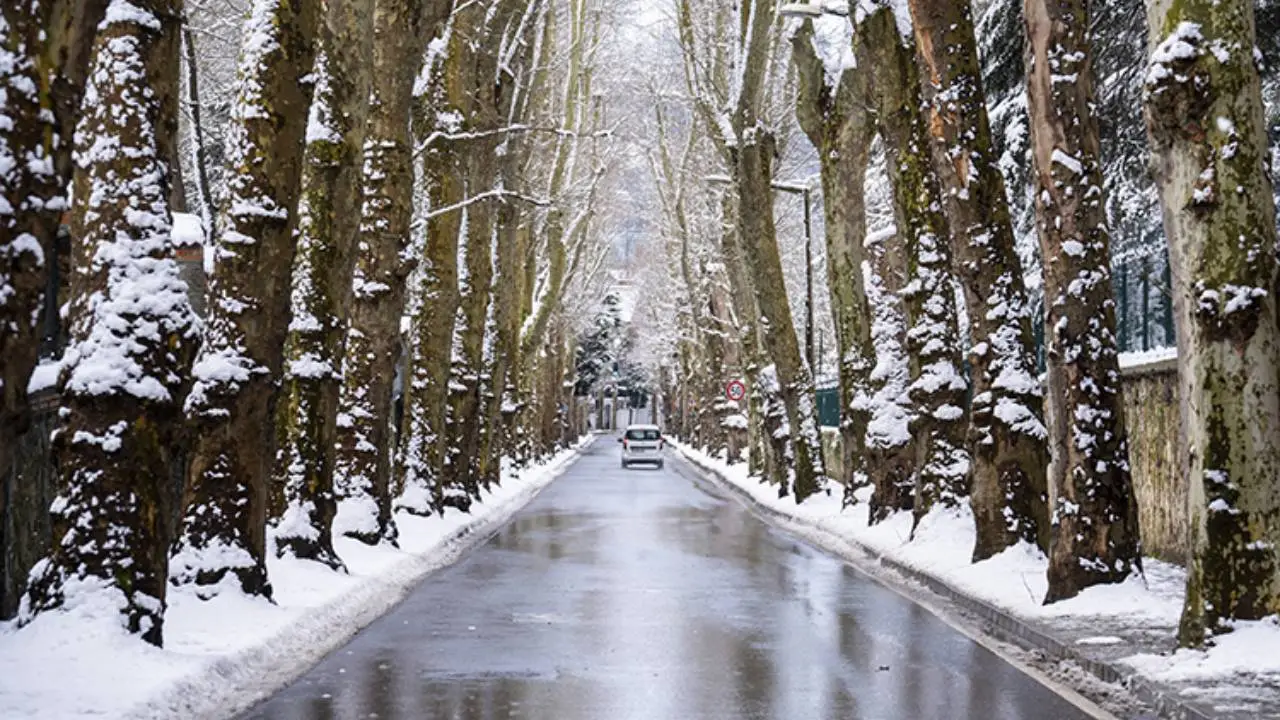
x=735, y=390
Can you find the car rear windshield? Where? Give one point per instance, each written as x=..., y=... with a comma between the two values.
x=643, y=435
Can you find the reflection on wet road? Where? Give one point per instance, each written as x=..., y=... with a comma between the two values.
x=630, y=594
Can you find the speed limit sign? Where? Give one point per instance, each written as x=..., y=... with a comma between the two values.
x=735, y=390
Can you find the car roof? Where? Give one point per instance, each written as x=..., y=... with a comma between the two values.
x=643, y=427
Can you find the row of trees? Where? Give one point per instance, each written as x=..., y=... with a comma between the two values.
x=931, y=301
x=394, y=188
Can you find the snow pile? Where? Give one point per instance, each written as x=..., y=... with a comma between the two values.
x=222, y=656
x=1015, y=581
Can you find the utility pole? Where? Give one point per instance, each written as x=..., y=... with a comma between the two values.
x=808, y=285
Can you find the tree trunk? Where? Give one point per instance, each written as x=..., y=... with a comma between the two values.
x=233, y=400
x=1095, y=536
x=133, y=334
x=329, y=210
x=1007, y=435
x=199, y=152
x=1204, y=117
x=752, y=162
x=891, y=454
x=937, y=389
x=837, y=122
x=44, y=58
x=426, y=386
x=363, y=464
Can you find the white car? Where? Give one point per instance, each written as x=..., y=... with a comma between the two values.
x=642, y=444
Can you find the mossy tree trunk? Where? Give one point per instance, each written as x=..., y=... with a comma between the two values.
x=328, y=219
x=1095, y=536
x=426, y=381
x=937, y=390
x=1204, y=116
x=1007, y=434
x=507, y=31
x=133, y=335
x=232, y=403
x=363, y=464
x=752, y=152
x=833, y=113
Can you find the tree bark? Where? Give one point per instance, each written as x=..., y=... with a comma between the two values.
x=133, y=334
x=328, y=214
x=937, y=386
x=1007, y=436
x=1095, y=536
x=44, y=58
x=835, y=119
x=363, y=463
x=752, y=156
x=1204, y=117
x=422, y=447
x=233, y=400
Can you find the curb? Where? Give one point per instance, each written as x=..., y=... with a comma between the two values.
x=996, y=623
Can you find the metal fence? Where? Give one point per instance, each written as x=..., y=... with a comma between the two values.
x=1144, y=316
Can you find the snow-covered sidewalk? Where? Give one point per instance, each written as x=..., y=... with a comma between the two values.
x=222, y=656
x=1129, y=627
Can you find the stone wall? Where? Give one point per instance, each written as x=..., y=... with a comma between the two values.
x=1151, y=410
x=28, y=491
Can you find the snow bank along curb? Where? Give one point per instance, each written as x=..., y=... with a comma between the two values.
x=213, y=674
x=998, y=623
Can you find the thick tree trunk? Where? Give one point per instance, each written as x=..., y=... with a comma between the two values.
x=1007, y=434
x=363, y=465
x=937, y=389
x=233, y=400
x=426, y=386
x=752, y=164
x=891, y=454
x=1204, y=117
x=837, y=122
x=132, y=336
x=44, y=58
x=1095, y=536
x=328, y=218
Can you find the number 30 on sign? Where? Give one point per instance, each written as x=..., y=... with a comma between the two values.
x=735, y=390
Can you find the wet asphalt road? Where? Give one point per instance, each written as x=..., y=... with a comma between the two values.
x=645, y=594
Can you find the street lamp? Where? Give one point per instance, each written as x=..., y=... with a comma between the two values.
x=805, y=190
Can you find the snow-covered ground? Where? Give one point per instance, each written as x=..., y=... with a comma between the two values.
x=222, y=656
x=1133, y=623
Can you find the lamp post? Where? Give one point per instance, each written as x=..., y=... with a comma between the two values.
x=805, y=190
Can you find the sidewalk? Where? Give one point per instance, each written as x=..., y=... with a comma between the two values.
x=1120, y=634
x=224, y=655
